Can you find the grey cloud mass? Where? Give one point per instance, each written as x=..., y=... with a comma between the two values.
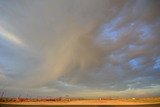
x=80, y=47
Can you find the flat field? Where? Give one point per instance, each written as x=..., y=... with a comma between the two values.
x=138, y=101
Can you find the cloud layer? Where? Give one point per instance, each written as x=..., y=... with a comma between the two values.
x=80, y=47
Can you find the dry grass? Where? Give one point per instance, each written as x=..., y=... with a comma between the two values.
x=137, y=101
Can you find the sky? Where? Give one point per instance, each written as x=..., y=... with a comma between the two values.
x=80, y=48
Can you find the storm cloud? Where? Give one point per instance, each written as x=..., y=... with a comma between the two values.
x=80, y=47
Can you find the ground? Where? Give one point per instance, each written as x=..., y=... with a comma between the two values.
x=131, y=101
